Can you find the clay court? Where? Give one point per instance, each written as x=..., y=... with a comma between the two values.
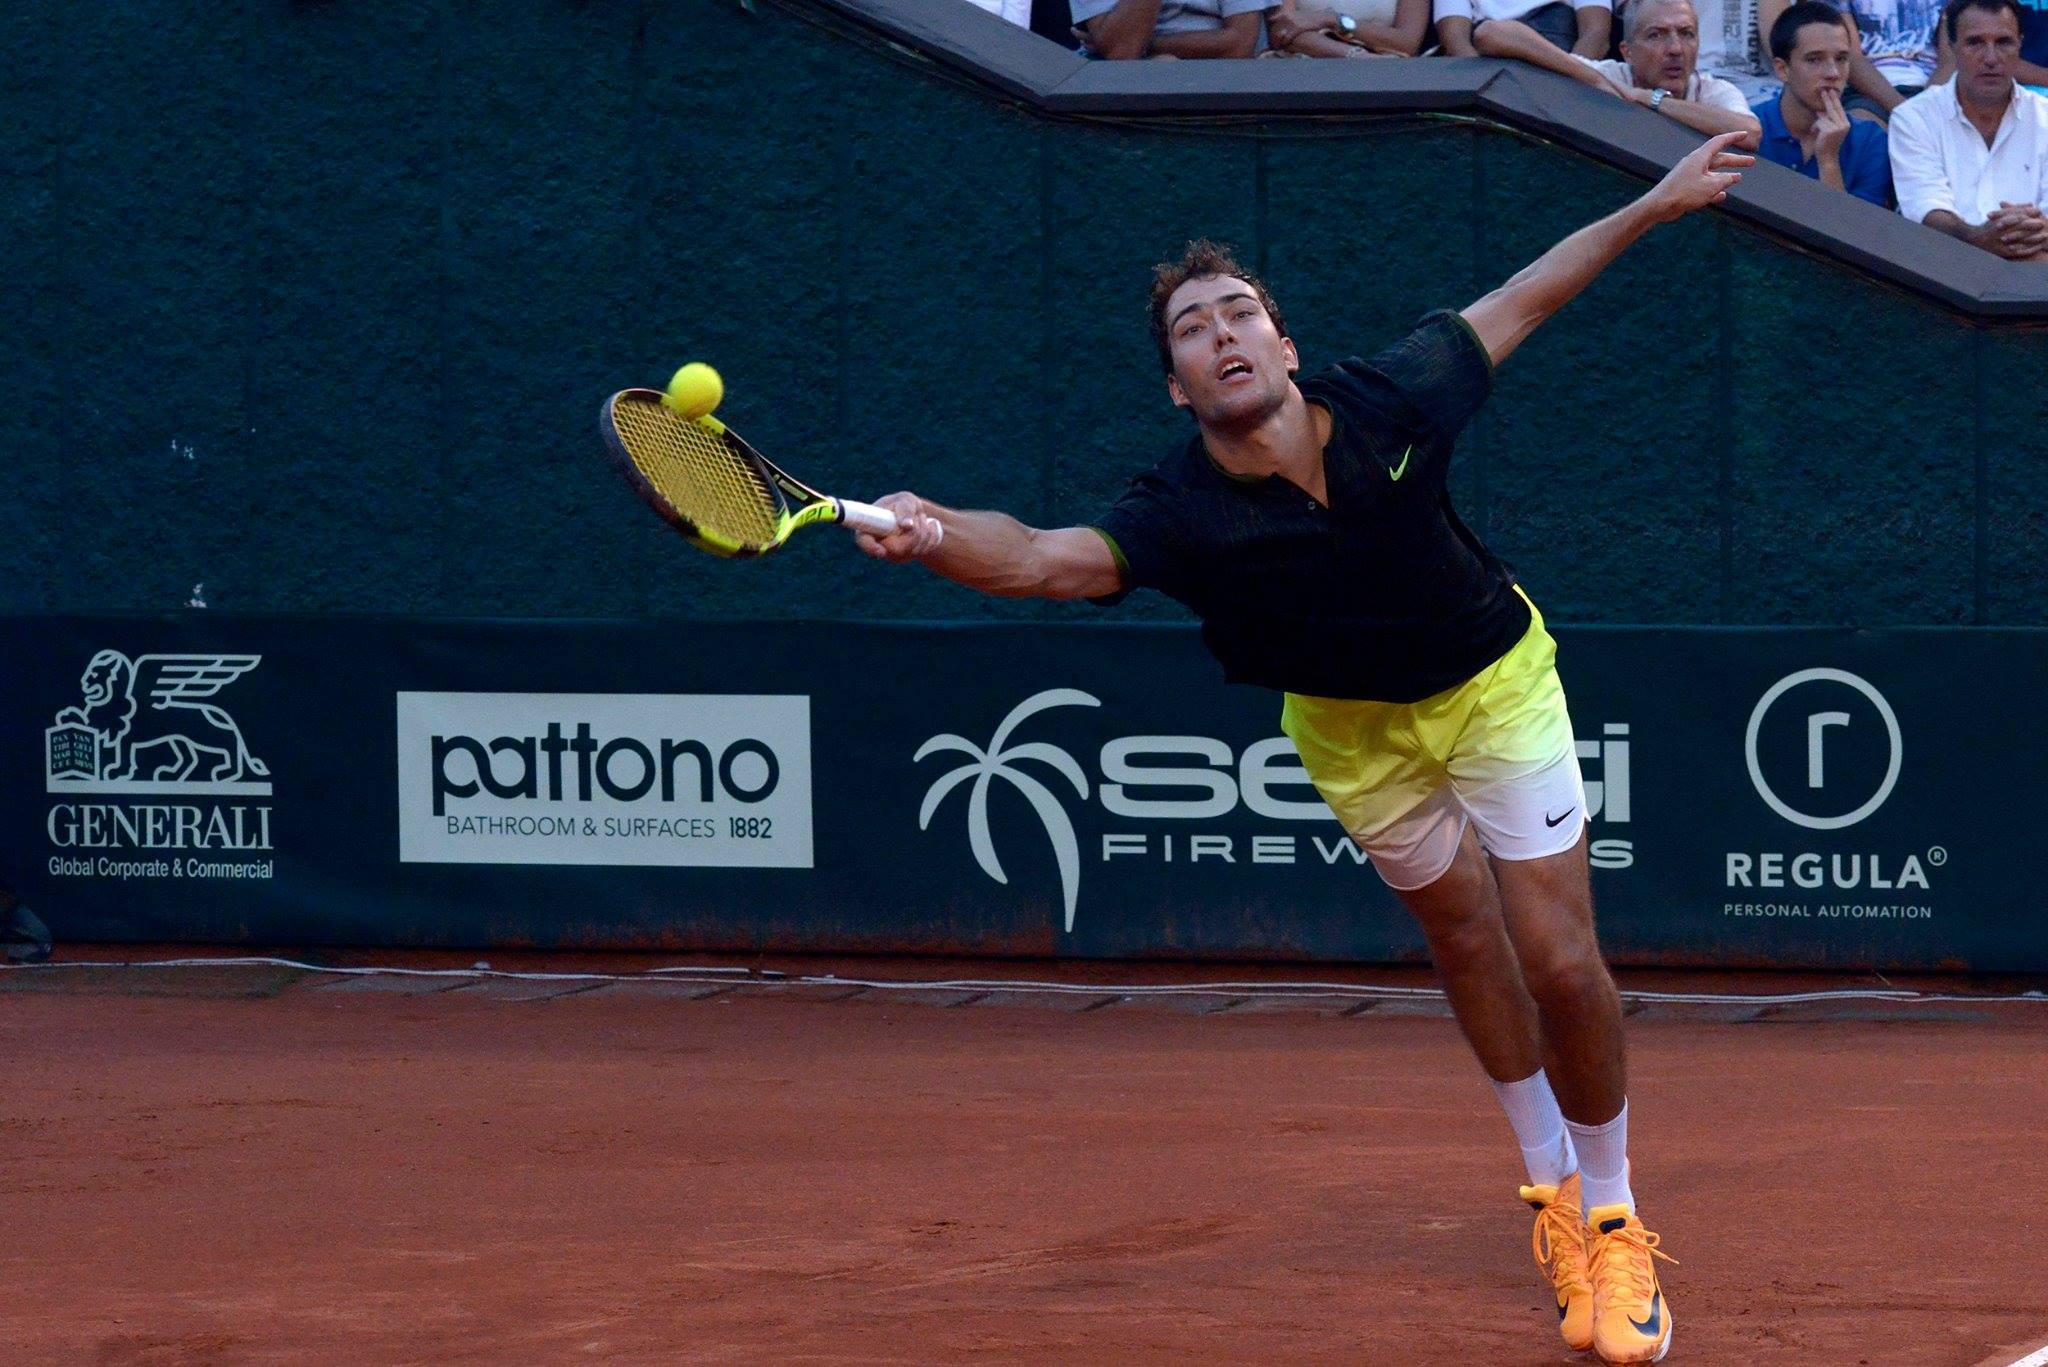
x=258, y=1163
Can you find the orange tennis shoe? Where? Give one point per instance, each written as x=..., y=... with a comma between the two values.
x=1631, y=1321
x=1559, y=1243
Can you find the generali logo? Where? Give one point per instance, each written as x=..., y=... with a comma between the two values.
x=147, y=726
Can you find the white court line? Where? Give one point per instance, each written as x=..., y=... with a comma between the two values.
x=1306, y=989
x=2037, y=1358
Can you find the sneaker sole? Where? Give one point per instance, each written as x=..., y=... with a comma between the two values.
x=1662, y=1349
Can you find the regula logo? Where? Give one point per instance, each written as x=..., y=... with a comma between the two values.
x=1821, y=719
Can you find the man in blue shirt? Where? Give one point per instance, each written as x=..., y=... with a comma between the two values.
x=1806, y=128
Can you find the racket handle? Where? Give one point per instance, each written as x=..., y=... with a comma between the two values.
x=875, y=521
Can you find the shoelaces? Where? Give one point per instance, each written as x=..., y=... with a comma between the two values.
x=1622, y=1260
x=1565, y=1242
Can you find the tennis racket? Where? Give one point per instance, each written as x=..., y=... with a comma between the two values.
x=711, y=486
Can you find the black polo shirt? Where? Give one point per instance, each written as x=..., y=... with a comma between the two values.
x=1385, y=594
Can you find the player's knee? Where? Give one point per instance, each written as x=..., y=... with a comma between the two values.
x=1563, y=977
x=1464, y=934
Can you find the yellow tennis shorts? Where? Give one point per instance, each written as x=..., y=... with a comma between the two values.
x=1406, y=778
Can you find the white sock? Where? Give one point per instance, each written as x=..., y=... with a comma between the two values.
x=1603, y=1162
x=1539, y=1128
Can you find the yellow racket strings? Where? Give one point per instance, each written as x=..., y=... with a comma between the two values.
x=698, y=474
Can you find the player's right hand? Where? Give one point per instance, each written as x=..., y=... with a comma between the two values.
x=917, y=531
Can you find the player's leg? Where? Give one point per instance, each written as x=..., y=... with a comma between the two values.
x=1459, y=913
x=1548, y=905
x=1461, y=917
x=1373, y=764
x=1547, y=909
x=1517, y=775
x=1394, y=800
x=1378, y=766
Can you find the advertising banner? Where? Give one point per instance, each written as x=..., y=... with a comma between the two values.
x=1757, y=797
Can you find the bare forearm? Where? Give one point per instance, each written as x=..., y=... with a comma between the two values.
x=1553, y=279
x=1513, y=38
x=1404, y=35
x=2018, y=233
x=1316, y=43
x=1504, y=318
x=989, y=552
x=1454, y=35
x=1711, y=119
x=1865, y=79
x=1942, y=221
x=1239, y=37
x=1126, y=31
x=1831, y=173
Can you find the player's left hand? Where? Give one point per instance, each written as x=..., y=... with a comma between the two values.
x=1703, y=178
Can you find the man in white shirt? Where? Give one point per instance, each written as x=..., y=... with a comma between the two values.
x=1659, y=70
x=1970, y=156
x=1583, y=30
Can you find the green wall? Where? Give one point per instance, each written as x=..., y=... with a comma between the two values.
x=316, y=303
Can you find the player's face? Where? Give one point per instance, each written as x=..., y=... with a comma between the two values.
x=1819, y=63
x=1666, y=46
x=1230, y=364
x=1987, y=46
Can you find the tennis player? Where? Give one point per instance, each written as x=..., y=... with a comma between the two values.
x=1309, y=525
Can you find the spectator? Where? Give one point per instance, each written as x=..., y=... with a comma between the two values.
x=1888, y=58
x=1390, y=28
x=1970, y=156
x=1584, y=30
x=1808, y=128
x=1123, y=29
x=1660, y=49
x=2032, y=67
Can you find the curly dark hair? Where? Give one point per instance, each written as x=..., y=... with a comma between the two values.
x=1201, y=259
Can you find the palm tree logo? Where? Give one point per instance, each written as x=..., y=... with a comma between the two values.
x=996, y=763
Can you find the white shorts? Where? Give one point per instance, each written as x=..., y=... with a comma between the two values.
x=1529, y=816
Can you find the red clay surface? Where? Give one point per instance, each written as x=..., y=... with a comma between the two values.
x=341, y=1172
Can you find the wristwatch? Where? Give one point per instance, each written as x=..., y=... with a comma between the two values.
x=1658, y=96
x=1347, y=25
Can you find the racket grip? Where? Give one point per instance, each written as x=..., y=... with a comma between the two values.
x=875, y=521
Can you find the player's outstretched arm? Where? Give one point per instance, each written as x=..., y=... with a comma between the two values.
x=1508, y=315
x=995, y=553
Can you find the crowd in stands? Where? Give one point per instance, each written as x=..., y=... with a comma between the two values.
x=1942, y=115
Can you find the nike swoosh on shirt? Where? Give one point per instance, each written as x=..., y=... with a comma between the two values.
x=1401, y=469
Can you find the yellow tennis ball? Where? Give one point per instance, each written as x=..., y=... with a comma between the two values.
x=695, y=390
